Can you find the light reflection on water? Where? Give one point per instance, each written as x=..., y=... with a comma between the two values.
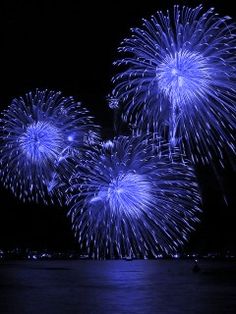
x=102, y=287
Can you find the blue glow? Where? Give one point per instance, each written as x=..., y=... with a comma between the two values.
x=183, y=77
x=113, y=102
x=126, y=192
x=129, y=198
x=40, y=135
x=178, y=79
x=41, y=141
x=70, y=138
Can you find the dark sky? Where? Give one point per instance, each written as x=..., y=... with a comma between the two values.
x=70, y=46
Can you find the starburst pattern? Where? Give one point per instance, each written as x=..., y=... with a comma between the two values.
x=40, y=134
x=129, y=198
x=178, y=79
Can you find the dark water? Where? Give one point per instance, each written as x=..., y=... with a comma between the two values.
x=102, y=287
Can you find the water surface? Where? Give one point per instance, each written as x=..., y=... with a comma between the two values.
x=100, y=287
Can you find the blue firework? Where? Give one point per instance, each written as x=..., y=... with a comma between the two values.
x=40, y=134
x=129, y=198
x=178, y=78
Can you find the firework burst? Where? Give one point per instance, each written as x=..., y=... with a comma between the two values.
x=178, y=78
x=40, y=133
x=129, y=198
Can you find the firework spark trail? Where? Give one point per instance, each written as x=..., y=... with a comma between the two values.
x=129, y=198
x=39, y=135
x=178, y=75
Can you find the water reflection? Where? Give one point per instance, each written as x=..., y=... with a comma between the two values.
x=115, y=287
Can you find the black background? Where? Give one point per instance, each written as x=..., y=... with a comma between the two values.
x=70, y=46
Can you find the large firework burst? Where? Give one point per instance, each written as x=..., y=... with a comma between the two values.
x=40, y=133
x=178, y=77
x=129, y=198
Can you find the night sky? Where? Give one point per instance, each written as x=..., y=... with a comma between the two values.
x=71, y=47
